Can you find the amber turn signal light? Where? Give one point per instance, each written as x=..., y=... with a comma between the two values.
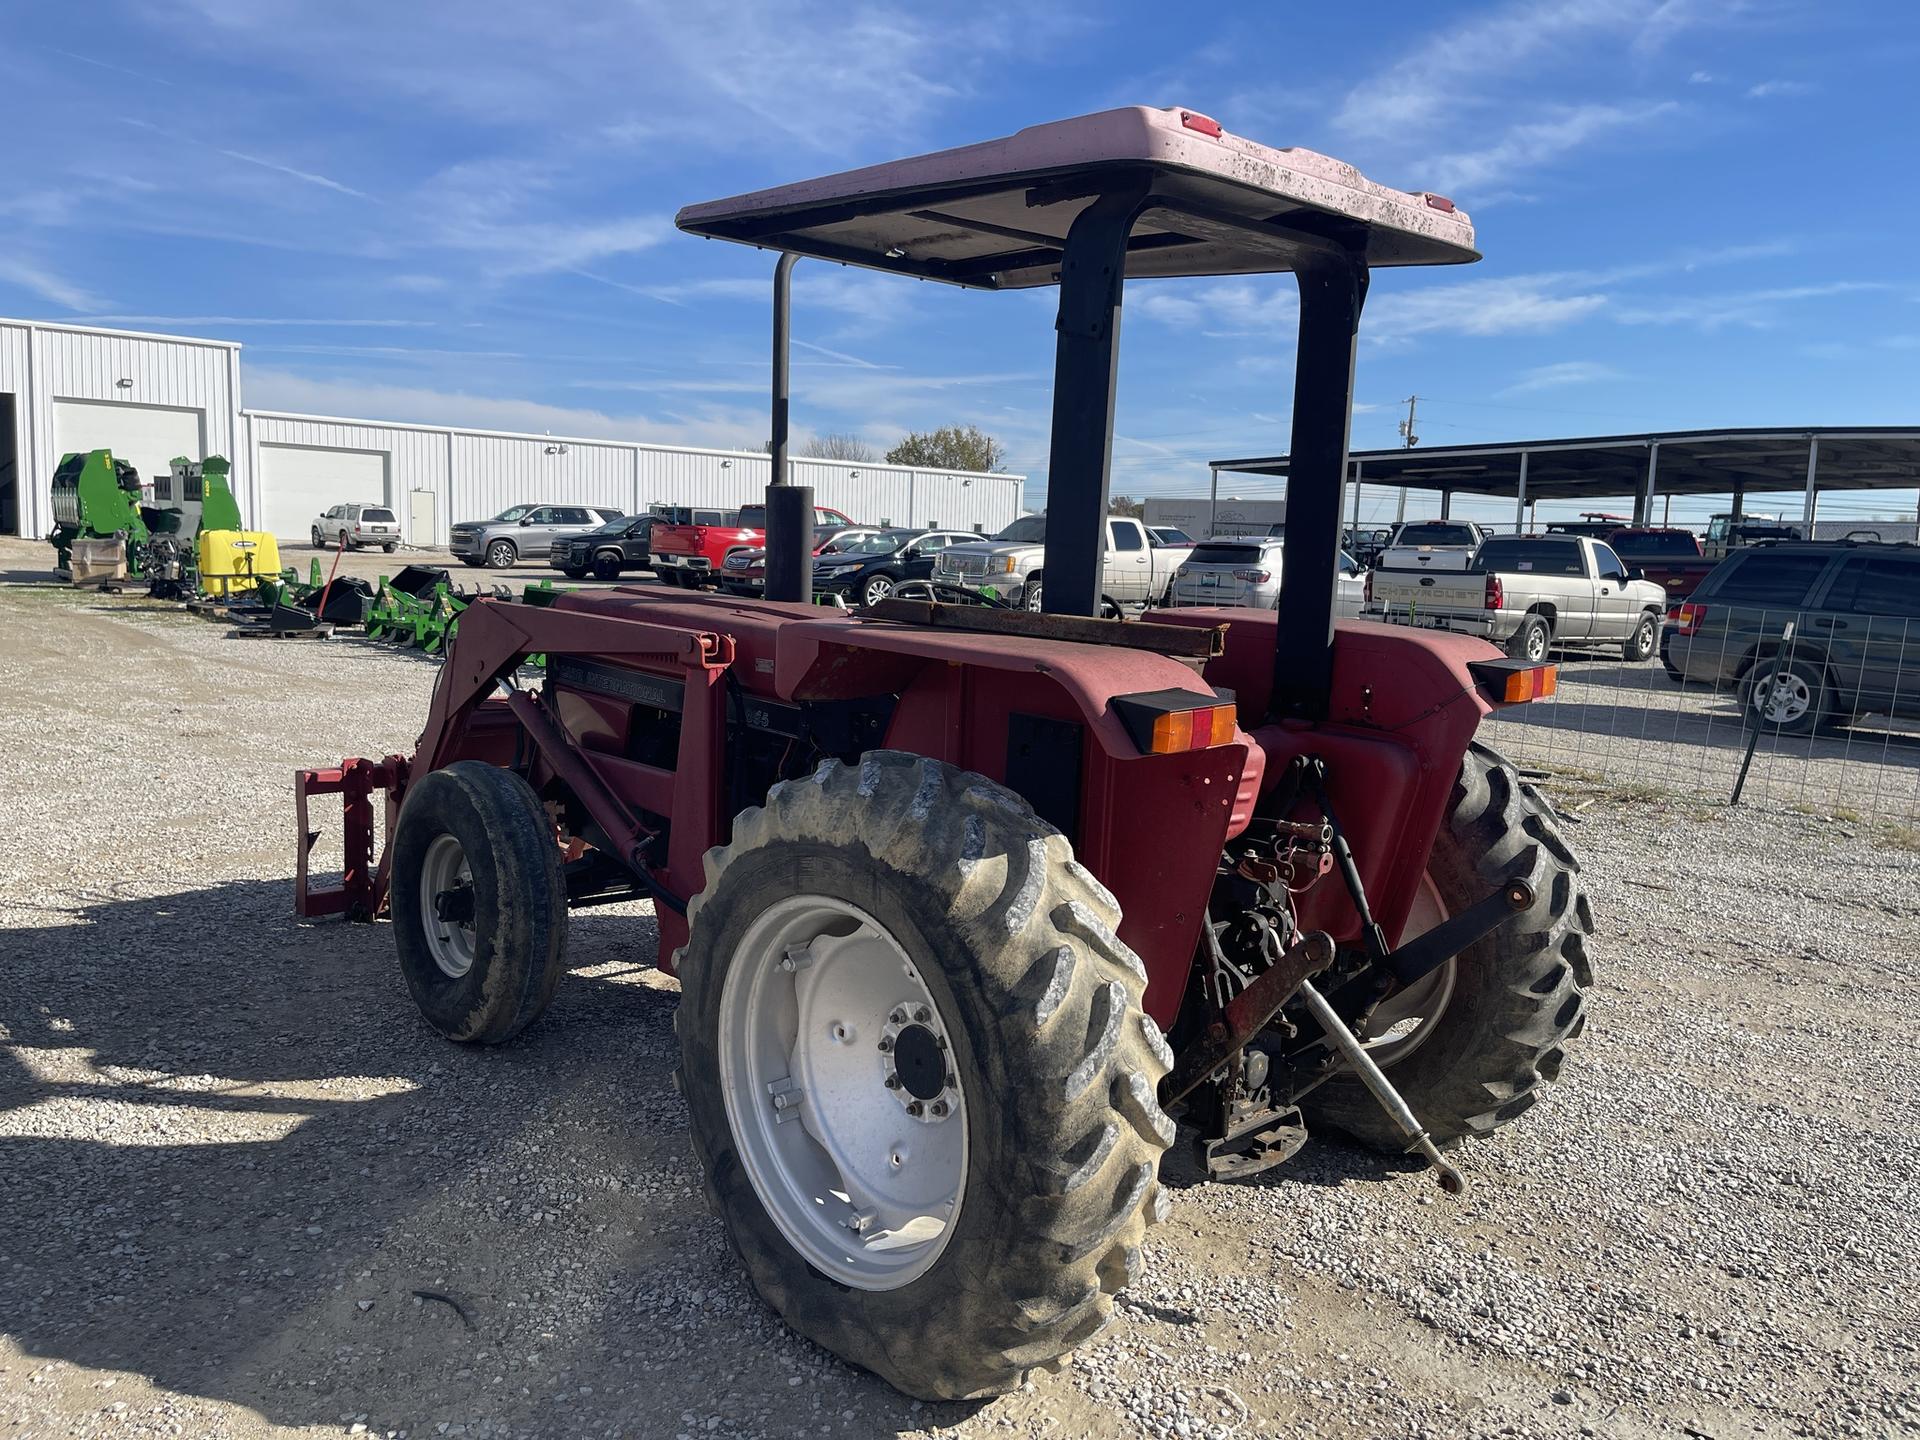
x=1514, y=682
x=1168, y=722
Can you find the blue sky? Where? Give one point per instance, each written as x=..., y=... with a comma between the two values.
x=1694, y=213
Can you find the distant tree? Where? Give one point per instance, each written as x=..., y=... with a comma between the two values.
x=1127, y=505
x=952, y=447
x=839, y=447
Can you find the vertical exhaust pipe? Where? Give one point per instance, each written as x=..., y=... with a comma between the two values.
x=789, y=506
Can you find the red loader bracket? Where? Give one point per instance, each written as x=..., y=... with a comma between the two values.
x=361, y=892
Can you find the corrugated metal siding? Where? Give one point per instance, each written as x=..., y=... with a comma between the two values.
x=28, y=501
x=416, y=459
x=71, y=364
x=472, y=474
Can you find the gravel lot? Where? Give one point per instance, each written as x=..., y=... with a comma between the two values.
x=244, y=1191
x=1632, y=726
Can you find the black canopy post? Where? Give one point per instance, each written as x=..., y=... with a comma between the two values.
x=1333, y=286
x=1087, y=355
x=789, y=507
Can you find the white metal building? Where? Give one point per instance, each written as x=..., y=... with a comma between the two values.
x=149, y=398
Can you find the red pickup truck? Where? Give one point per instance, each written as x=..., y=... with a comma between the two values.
x=1666, y=555
x=694, y=543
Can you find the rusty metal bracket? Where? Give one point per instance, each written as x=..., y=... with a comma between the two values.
x=1245, y=1016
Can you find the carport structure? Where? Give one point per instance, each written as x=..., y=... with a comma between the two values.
x=1676, y=462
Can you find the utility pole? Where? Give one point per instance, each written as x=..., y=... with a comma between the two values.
x=1411, y=439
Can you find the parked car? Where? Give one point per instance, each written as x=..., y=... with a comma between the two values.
x=357, y=525
x=1594, y=524
x=744, y=572
x=521, y=531
x=1854, y=647
x=1667, y=555
x=1365, y=545
x=1247, y=573
x=1530, y=593
x=1164, y=535
x=1011, y=567
x=616, y=547
x=1727, y=532
x=867, y=569
x=1432, y=545
x=691, y=552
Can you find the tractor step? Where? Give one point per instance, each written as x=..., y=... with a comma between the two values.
x=361, y=891
x=1257, y=1139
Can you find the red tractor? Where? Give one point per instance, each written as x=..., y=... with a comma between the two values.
x=969, y=906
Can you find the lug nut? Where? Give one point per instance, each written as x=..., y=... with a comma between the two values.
x=914, y=1107
x=893, y=1081
x=898, y=1017
x=952, y=1079
x=886, y=1044
x=939, y=1107
x=923, y=1014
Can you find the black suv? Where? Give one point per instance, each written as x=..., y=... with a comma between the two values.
x=1809, y=633
x=616, y=546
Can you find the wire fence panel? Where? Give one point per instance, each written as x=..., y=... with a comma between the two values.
x=1794, y=710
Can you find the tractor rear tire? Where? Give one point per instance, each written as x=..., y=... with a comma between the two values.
x=488, y=980
x=1055, y=1073
x=1518, y=996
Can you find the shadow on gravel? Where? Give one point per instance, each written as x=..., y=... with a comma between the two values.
x=235, y=1161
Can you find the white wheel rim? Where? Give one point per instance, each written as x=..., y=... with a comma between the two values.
x=878, y=589
x=1403, y=1022
x=1536, y=644
x=1782, y=697
x=1033, y=597
x=452, y=945
x=863, y=1178
x=1643, y=642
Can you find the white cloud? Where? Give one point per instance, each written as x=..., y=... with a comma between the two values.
x=1451, y=71
x=1561, y=374
x=310, y=177
x=1750, y=309
x=730, y=427
x=1534, y=144
x=1779, y=90
x=1703, y=77
x=238, y=321
x=1514, y=305
x=48, y=286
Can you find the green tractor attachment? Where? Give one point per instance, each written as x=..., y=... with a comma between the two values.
x=96, y=497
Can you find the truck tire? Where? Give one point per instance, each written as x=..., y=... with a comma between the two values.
x=940, y=926
x=502, y=554
x=606, y=566
x=1640, y=645
x=477, y=828
x=1030, y=596
x=1786, y=697
x=1532, y=640
x=1509, y=1005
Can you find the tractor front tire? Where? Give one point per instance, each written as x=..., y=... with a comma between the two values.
x=1049, y=1186
x=1517, y=997
x=477, y=828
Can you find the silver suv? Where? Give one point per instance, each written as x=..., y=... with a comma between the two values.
x=357, y=525
x=524, y=531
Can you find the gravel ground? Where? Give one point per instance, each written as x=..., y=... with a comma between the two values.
x=244, y=1191
x=1632, y=726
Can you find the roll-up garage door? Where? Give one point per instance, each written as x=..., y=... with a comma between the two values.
x=299, y=482
x=147, y=437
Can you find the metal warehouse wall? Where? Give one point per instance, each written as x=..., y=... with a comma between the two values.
x=478, y=473
x=470, y=473
x=41, y=364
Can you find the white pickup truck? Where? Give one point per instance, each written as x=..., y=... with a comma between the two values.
x=1137, y=572
x=1432, y=545
x=1530, y=593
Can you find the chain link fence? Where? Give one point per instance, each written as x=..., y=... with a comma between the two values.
x=1805, y=711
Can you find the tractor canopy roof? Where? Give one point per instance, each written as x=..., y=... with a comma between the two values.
x=995, y=215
